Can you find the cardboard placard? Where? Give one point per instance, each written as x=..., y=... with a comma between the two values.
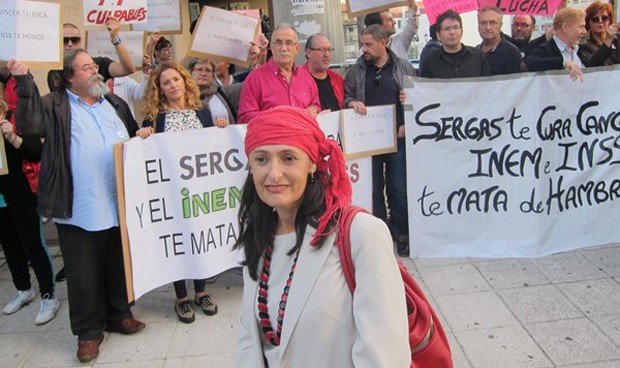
x=370, y=134
x=163, y=17
x=30, y=31
x=223, y=35
x=98, y=44
x=356, y=8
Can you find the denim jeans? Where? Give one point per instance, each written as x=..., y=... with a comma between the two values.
x=389, y=175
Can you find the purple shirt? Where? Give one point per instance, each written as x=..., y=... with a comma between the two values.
x=266, y=87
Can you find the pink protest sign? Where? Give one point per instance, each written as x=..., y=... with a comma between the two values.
x=533, y=7
x=435, y=7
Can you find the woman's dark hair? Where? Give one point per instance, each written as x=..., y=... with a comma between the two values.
x=163, y=42
x=257, y=221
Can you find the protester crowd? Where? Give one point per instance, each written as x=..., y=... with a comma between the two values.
x=59, y=146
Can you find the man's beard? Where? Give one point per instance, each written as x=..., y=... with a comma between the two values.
x=96, y=86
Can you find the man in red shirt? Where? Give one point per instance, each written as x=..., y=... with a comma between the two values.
x=280, y=81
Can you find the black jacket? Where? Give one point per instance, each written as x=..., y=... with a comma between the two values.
x=50, y=117
x=545, y=57
x=468, y=62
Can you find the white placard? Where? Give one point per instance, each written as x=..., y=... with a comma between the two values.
x=223, y=35
x=162, y=16
x=97, y=12
x=360, y=7
x=360, y=170
x=98, y=44
x=532, y=173
x=370, y=134
x=182, y=193
x=307, y=7
x=30, y=31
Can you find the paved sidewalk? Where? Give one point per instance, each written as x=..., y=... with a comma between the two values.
x=556, y=311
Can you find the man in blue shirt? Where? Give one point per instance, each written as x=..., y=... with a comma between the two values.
x=81, y=122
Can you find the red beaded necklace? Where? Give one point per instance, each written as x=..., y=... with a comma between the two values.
x=263, y=311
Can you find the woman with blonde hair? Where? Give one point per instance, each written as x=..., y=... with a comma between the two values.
x=173, y=104
x=601, y=47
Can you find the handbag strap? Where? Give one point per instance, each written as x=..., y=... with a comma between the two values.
x=344, y=244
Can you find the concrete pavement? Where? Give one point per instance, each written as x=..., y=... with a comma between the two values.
x=561, y=310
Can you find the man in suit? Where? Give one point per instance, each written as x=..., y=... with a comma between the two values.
x=560, y=52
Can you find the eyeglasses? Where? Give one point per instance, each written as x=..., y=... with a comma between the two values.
x=74, y=40
x=288, y=43
x=600, y=19
x=521, y=25
x=454, y=28
x=89, y=68
x=203, y=70
x=322, y=49
x=378, y=76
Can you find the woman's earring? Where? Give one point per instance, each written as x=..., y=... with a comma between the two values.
x=312, y=177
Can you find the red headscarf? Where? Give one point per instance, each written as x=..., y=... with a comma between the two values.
x=295, y=127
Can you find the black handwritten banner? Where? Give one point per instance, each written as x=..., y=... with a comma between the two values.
x=524, y=166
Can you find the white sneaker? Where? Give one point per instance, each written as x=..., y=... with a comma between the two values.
x=18, y=300
x=49, y=307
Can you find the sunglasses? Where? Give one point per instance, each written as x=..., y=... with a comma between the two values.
x=600, y=19
x=378, y=76
x=74, y=40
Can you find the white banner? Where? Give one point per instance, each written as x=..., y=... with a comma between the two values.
x=97, y=12
x=182, y=192
x=98, y=44
x=528, y=174
x=30, y=31
x=162, y=16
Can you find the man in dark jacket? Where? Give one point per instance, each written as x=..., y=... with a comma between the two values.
x=377, y=78
x=561, y=52
x=453, y=60
x=81, y=122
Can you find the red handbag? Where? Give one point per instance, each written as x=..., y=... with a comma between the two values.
x=427, y=339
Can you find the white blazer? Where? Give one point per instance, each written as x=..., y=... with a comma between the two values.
x=324, y=325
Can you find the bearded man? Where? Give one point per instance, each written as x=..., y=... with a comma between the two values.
x=81, y=122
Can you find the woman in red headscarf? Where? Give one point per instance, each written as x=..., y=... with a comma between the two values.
x=297, y=308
